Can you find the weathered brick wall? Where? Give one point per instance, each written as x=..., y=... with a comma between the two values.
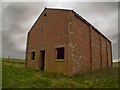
x=88, y=48
x=85, y=48
x=47, y=34
x=71, y=46
x=33, y=46
x=104, y=52
x=109, y=50
x=95, y=47
x=81, y=57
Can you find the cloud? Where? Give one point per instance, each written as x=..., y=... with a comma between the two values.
x=8, y=48
x=101, y=15
x=18, y=18
x=60, y=1
x=115, y=50
x=0, y=30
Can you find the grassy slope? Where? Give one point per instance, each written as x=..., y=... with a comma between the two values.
x=15, y=75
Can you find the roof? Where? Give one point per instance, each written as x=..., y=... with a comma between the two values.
x=78, y=16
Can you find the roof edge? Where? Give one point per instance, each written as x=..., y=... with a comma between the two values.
x=77, y=15
x=37, y=20
x=80, y=17
x=58, y=9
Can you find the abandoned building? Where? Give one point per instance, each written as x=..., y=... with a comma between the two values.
x=62, y=41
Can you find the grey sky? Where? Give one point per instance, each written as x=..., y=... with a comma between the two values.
x=18, y=18
x=60, y=1
x=0, y=29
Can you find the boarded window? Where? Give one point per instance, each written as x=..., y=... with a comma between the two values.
x=60, y=53
x=33, y=55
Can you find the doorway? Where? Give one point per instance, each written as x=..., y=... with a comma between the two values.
x=42, y=58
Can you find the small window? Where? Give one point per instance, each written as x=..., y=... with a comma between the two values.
x=60, y=53
x=33, y=55
x=45, y=14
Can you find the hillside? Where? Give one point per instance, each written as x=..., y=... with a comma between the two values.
x=16, y=75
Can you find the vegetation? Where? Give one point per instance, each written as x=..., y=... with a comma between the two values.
x=0, y=73
x=16, y=75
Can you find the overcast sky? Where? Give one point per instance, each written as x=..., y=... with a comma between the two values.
x=18, y=18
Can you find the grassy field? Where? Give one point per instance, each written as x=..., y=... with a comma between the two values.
x=0, y=73
x=16, y=75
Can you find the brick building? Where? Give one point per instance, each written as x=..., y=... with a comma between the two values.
x=62, y=41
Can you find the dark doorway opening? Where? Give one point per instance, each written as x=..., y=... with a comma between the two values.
x=42, y=57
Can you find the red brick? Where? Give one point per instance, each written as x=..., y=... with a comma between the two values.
x=86, y=49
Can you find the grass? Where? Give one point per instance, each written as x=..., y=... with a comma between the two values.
x=0, y=73
x=16, y=75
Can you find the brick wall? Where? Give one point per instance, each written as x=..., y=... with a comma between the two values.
x=104, y=52
x=109, y=50
x=82, y=46
x=47, y=34
x=88, y=49
x=85, y=48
